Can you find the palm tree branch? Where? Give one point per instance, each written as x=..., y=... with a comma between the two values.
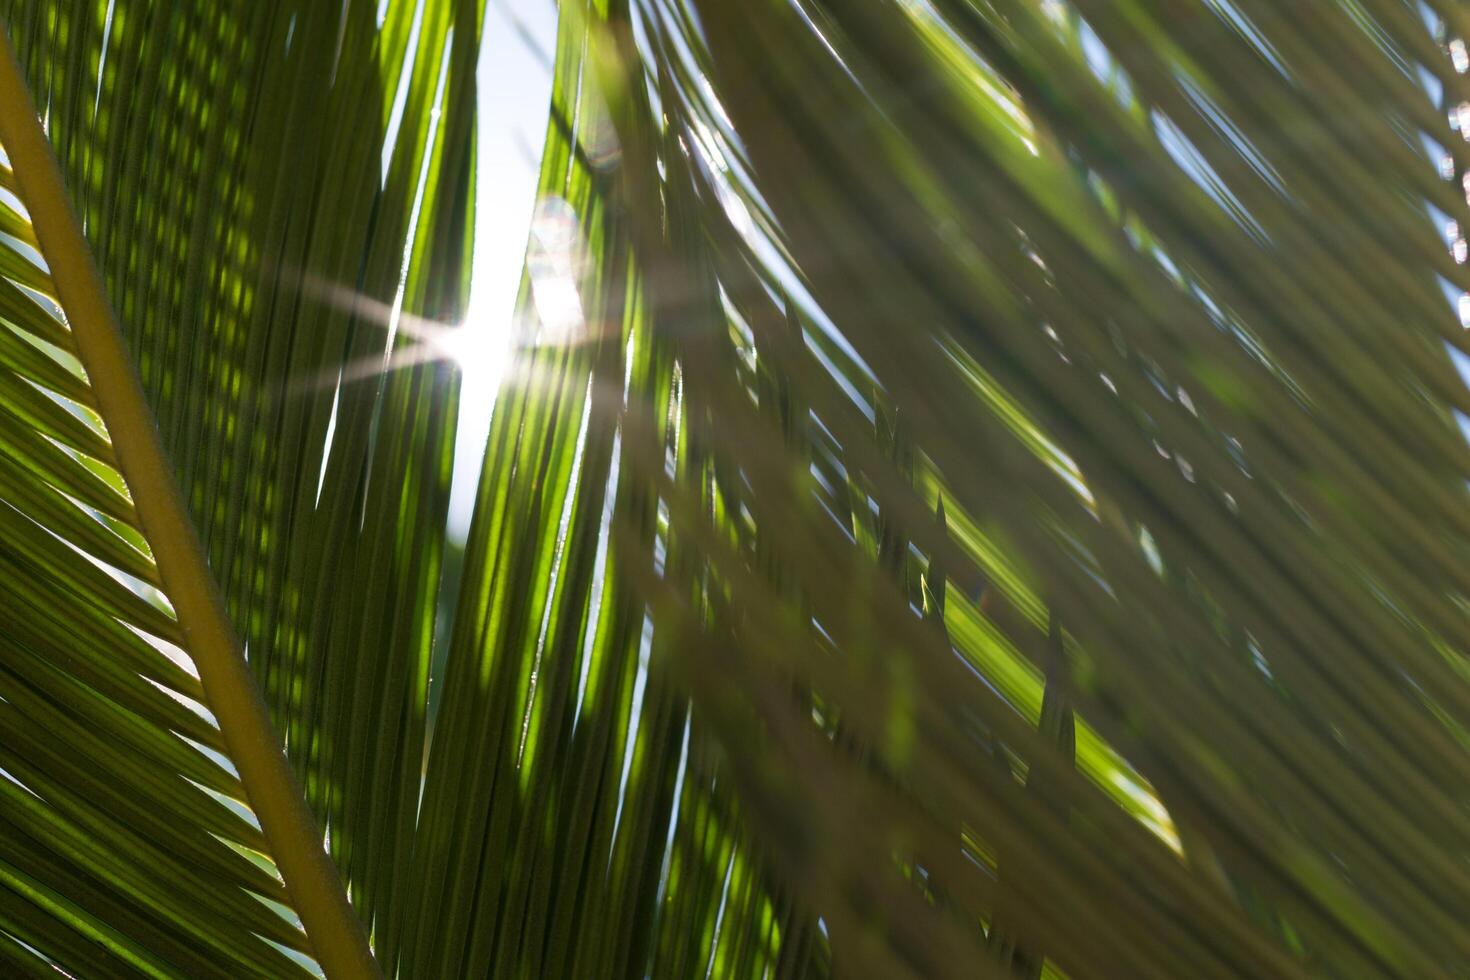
x=336, y=935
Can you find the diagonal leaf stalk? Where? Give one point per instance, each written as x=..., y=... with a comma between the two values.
x=336, y=935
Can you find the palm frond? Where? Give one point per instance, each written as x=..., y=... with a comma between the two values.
x=981, y=491
x=275, y=193
x=129, y=849
x=1171, y=340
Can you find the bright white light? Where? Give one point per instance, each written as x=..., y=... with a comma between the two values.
x=481, y=349
x=554, y=263
x=515, y=89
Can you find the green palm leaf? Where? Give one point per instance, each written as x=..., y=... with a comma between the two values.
x=128, y=847
x=980, y=491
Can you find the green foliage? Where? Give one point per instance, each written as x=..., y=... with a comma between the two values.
x=980, y=492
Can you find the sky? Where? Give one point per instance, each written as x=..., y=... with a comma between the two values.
x=514, y=79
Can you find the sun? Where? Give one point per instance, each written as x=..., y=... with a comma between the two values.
x=480, y=347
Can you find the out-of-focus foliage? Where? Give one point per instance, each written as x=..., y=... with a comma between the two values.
x=1068, y=542
x=980, y=492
